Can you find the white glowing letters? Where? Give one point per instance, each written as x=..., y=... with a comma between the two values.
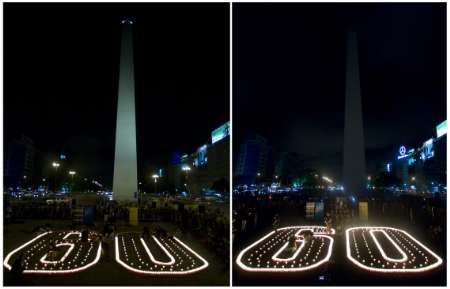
x=64, y=252
x=385, y=249
x=377, y=249
x=70, y=255
x=276, y=252
x=57, y=253
x=157, y=255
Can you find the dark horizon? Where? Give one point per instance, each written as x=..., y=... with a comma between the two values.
x=289, y=69
x=61, y=78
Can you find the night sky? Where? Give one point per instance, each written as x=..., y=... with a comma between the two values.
x=289, y=67
x=61, y=79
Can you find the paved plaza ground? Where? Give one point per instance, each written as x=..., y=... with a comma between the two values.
x=339, y=271
x=107, y=272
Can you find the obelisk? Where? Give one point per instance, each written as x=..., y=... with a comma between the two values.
x=125, y=162
x=354, y=155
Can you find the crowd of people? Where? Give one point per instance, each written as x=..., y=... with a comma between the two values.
x=253, y=212
x=209, y=224
x=36, y=210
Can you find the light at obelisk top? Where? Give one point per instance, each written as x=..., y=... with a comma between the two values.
x=354, y=154
x=125, y=162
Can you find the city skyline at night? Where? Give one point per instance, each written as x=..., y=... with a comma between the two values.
x=181, y=80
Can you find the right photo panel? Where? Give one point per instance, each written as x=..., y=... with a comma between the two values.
x=339, y=144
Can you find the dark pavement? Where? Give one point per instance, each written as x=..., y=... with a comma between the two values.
x=107, y=272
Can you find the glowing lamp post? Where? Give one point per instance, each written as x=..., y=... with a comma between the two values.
x=56, y=166
x=72, y=174
x=155, y=178
x=186, y=169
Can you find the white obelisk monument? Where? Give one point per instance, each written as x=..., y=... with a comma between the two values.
x=125, y=162
x=354, y=155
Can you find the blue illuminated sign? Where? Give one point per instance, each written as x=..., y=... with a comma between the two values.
x=427, y=150
x=201, y=158
x=402, y=152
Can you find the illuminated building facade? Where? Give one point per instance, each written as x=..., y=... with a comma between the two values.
x=207, y=165
x=424, y=166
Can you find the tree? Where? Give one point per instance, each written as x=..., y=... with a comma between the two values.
x=221, y=185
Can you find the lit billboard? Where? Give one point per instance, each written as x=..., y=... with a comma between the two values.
x=220, y=132
x=441, y=129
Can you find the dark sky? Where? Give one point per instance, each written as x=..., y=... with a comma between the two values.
x=61, y=78
x=289, y=66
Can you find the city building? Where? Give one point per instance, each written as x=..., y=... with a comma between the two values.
x=205, y=169
x=20, y=162
x=289, y=166
x=252, y=160
x=420, y=166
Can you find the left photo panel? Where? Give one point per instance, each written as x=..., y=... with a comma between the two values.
x=116, y=144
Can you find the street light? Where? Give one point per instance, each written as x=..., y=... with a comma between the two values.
x=72, y=174
x=186, y=169
x=56, y=166
x=155, y=177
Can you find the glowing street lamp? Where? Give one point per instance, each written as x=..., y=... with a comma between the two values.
x=186, y=169
x=155, y=178
x=56, y=166
x=72, y=174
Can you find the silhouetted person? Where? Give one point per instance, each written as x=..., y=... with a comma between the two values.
x=145, y=233
x=292, y=243
x=84, y=235
x=17, y=266
x=276, y=222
